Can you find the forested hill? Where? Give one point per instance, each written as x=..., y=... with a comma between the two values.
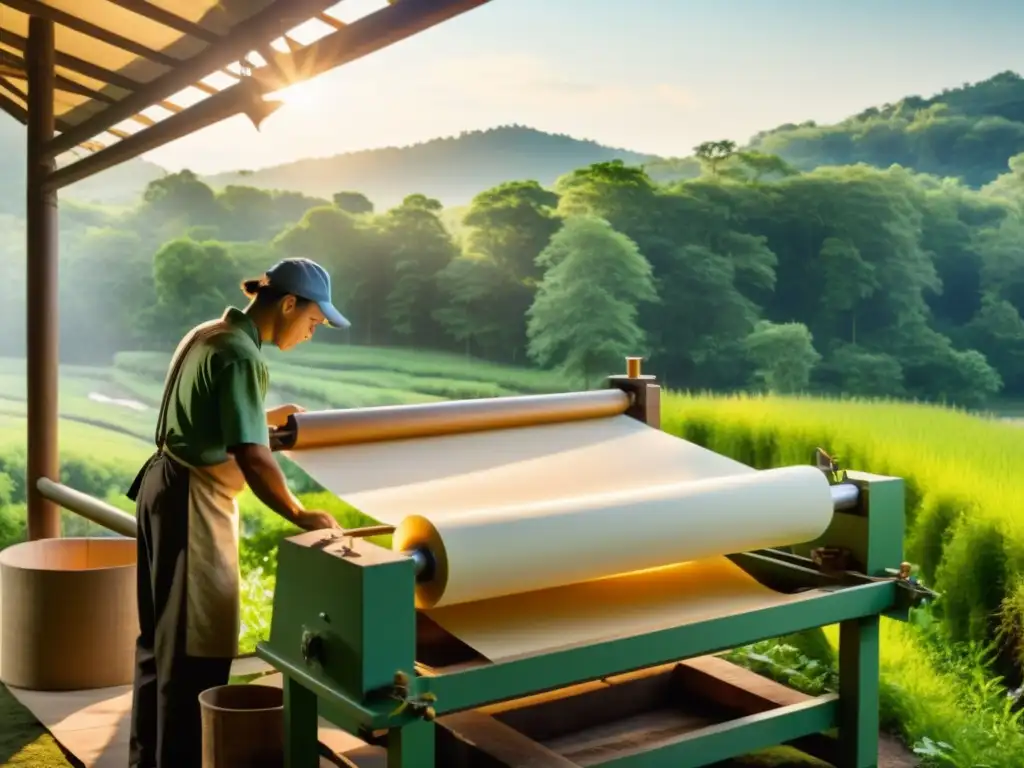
x=452, y=170
x=968, y=133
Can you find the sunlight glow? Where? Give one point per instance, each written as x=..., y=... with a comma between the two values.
x=304, y=95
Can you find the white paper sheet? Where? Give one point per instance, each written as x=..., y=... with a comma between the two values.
x=519, y=517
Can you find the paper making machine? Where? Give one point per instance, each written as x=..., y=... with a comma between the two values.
x=559, y=572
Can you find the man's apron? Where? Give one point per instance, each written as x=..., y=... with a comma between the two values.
x=212, y=579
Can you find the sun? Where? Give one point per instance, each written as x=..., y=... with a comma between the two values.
x=303, y=95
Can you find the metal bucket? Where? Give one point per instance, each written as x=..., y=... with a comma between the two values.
x=243, y=726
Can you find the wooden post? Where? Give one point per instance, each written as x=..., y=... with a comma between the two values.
x=41, y=259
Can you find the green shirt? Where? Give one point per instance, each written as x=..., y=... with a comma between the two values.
x=218, y=400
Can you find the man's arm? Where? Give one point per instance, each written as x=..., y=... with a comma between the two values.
x=244, y=427
x=267, y=480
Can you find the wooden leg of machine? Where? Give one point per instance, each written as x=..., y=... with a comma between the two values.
x=858, y=693
x=412, y=745
x=301, y=746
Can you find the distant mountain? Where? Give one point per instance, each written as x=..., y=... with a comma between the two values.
x=452, y=170
x=968, y=133
x=120, y=185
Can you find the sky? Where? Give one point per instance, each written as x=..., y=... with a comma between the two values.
x=657, y=76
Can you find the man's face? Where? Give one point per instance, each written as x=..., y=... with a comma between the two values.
x=296, y=323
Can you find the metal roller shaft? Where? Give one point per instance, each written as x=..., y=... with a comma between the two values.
x=845, y=496
x=320, y=429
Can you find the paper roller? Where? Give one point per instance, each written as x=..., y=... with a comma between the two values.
x=467, y=557
x=402, y=422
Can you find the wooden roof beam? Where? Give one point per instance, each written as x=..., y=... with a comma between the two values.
x=15, y=110
x=57, y=16
x=269, y=24
x=11, y=65
x=11, y=88
x=372, y=32
x=167, y=19
x=243, y=97
x=78, y=65
x=330, y=21
x=360, y=38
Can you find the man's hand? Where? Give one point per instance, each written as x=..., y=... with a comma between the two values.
x=315, y=520
x=278, y=416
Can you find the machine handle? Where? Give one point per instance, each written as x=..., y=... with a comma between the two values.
x=367, y=531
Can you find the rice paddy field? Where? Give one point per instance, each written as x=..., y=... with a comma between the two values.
x=965, y=511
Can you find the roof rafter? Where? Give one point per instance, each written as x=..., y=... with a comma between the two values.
x=75, y=64
x=57, y=16
x=166, y=18
x=271, y=23
x=118, y=59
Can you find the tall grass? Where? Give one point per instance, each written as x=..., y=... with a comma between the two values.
x=965, y=505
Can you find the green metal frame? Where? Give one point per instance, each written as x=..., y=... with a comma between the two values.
x=347, y=651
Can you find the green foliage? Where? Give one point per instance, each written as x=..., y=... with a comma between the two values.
x=784, y=356
x=584, y=317
x=786, y=664
x=965, y=133
x=910, y=285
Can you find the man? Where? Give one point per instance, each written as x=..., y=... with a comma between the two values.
x=212, y=438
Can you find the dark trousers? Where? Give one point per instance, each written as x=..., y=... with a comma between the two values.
x=165, y=728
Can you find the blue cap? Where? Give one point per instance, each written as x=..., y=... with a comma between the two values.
x=307, y=280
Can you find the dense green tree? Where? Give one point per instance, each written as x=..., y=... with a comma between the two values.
x=180, y=198
x=352, y=251
x=484, y=308
x=355, y=203
x=783, y=355
x=418, y=245
x=713, y=154
x=193, y=282
x=511, y=224
x=907, y=284
x=584, y=318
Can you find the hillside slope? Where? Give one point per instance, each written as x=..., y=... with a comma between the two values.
x=452, y=169
x=968, y=132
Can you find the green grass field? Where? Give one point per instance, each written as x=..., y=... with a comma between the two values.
x=963, y=528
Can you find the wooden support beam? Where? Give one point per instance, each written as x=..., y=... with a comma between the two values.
x=13, y=108
x=266, y=25
x=330, y=21
x=14, y=66
x=12, y=89
x=57, y=16
x=371, y=33
x=505, y=745
x=239, y=98
x=42, y=309
x=167, y=19
x=78, y=65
